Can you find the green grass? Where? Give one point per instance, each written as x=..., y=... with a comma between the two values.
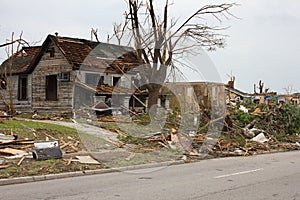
x=41, y=116
x=16, y=124
x=129, y=139
x=43, y=167
x=39, y=131
x=25, y=129
x=146, y=158
x=108, y=125
x=133, y=129
x=94, y=143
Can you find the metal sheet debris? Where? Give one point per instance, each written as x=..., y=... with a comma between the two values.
x=47, y=150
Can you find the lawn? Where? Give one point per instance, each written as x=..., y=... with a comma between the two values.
x=38, y=131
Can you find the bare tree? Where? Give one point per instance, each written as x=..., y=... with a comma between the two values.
x=119, y=30
x=289, y=89
x=7, y=84
x=20, y=41
x=260, y=86
x=156, y=38
x=94, y=32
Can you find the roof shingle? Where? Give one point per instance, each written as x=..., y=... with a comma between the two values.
x=80, y=53
x=21, y=60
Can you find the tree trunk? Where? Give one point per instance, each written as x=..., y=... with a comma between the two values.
x=153, y=90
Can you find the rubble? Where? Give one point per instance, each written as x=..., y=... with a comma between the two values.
x=7, y=138
x=248, y=130
x=4, y=115
x=243, y=108
x=19, y=148
x=46, y=150
x=11, y=151
x=260, y=138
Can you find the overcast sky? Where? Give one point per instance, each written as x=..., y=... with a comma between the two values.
x=262, y=45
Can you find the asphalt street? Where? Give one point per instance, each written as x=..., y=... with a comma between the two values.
x=269, y=176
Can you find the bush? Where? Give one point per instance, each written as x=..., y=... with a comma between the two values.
x=290, y=115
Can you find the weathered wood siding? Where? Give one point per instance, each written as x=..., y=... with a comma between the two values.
x=195, y=96
x=51, y=66
x=19, y=105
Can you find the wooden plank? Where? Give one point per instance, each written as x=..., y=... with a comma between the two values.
x=4, y=166
x=18, y=142
x=7, y=138
x=11, y=151
x=87, y=160
x=130, y=157
x=69, y=161
x=20, y=162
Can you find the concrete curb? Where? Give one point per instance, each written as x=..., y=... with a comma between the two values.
x=30, y=179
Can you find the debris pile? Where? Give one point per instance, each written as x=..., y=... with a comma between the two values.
x=248, y=129
x=21, y=148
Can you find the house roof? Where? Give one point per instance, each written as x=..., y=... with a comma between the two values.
x=80, y=53
x=22, y=59
x=95, y=56
x=236, y=91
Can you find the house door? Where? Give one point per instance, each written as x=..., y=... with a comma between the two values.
x=51, y=87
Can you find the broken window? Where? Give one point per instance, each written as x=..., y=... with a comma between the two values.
x=51, y=88
x=3, y=83
x=51, y=52
x=64, y=76
x=116, y=80
x=101, y=80
x=163, y=101
x=22, y=88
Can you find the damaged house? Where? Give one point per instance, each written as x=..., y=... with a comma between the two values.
x=195, y=96
x=65, y=73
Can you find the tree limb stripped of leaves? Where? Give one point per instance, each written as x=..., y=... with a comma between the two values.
x=156, y=38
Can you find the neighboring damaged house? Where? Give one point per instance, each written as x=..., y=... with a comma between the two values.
x=293, y=99
x=233, y=94
x=16, y=78
x=195, y=96
x=63, y=73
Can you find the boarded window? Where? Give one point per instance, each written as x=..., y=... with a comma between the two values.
x=92, y=79
x=22, y=88
x=51, y=87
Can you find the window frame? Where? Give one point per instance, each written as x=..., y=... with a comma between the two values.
x=23, y=94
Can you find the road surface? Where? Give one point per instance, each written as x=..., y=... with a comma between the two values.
x=269, y=176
